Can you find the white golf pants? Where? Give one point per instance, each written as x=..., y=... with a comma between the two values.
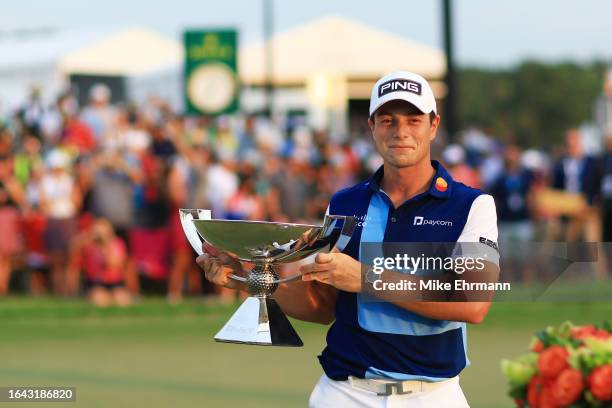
x=334, y=394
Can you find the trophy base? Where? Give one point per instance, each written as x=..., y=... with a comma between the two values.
x=260, y=321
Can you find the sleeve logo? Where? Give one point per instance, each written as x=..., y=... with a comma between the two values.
x=490, y=243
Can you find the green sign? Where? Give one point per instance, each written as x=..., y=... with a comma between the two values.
x=211, y=73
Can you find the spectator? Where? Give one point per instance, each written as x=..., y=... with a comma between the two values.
x=31, y=114
x=34, y=224
x=183, y=182
x=222, y=183
x=512, y=194
x=606, y=191
x=149, y=237
x=290, y=190
x=60, y=200
x=511, y=191
x=226, y=143
x=162, y=146
x=99, y=115
x=112, y=189
x=77, y=135
x=246, y=139
x=606, y=207
x=244, y=204
x=25, y=160
x=11, y=202
x=454, y=157
x=577, y=173
x=102, y=257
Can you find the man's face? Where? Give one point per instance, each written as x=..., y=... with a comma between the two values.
x=512, y=157
x=402, y=135
x=573, y=143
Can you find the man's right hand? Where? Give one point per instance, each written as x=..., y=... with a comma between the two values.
x=218, y=266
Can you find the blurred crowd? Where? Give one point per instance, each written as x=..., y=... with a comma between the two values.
x=89, y=195
x=561, y=195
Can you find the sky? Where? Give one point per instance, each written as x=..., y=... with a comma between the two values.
x=488, y=33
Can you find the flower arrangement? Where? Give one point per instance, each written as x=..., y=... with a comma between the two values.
x=568, y=366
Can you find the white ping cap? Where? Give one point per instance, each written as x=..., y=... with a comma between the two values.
x=404, y=86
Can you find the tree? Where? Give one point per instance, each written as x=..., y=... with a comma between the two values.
x=533, y=103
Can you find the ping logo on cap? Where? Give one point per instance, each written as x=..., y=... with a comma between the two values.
x=399, y=85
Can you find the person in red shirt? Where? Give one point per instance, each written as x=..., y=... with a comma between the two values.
x=75, y=133
x=102, y=257
x=34, y=224
x=11, y=202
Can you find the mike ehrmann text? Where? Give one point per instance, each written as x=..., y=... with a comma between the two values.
x=437, y=285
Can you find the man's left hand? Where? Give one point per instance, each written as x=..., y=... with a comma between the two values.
x=336, y=269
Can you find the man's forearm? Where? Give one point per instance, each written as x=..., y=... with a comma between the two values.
x=469, y=312
x=455, y=309
x=309, y=301
x=461, y=311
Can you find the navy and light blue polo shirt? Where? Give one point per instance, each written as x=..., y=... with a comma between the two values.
x=380, y=339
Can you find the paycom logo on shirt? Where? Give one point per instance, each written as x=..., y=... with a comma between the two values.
x=418, y=220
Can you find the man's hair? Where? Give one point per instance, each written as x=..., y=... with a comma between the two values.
x=412, y=110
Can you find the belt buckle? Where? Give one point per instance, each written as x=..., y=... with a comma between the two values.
x=394, y=388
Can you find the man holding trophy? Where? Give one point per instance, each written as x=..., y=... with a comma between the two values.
x=388, y=353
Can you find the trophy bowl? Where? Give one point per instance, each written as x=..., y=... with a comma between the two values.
x=260, y=320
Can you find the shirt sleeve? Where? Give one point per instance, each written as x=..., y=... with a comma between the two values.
x=479, y=235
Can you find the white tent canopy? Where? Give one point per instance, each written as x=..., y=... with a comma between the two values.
x=341, y=46
x=331, y=44
x=132, y=52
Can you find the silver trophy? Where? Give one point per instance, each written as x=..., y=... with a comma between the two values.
x=259, y=320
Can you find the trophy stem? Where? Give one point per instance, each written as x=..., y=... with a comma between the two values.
x=260, y=321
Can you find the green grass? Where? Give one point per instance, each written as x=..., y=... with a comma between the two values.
x=155, y=355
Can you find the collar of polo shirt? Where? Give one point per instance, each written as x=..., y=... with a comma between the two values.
x=441, y=184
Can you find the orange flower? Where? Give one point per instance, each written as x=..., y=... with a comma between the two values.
x=600, y=382
x=582, y=332
x=552, y=361
x=537, y=346
x=568, y=386
x=534, y=390
x=601, y=334
x=547, y=399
